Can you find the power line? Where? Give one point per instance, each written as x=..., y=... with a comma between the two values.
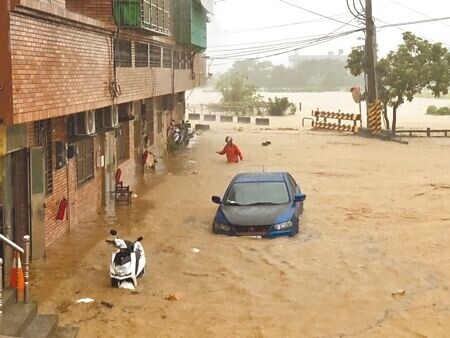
x=315, y=13
x=387, y=24
x=266, y=41
x=415, y=11
x=290, y=43
x=342, y=15
x=415, y=22
x=278, y=51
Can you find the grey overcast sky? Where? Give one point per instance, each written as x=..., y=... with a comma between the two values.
x=241, y=29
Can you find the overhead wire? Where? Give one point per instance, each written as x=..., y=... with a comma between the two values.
x=257, y=47
x=415, y=11
x=388, y=25
x=283, y=50
x=341, y=15
x=357, y=14
x=316, y=13
x=237, y=54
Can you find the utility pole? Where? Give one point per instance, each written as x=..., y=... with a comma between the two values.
x=371, y=58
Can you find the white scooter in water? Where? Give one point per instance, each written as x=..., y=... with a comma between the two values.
x=127, y=263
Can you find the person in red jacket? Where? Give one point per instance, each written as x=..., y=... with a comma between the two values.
x=231, y=150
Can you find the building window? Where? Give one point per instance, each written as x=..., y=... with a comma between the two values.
x=85, y=161
x=176, y=60
x=182, y=60
x=188, y=61
x=122, y=53
x=43, y=138
x=155, y=56
x=123, y=142
x=167, y=57
x=141, y=55
x=149, y=138
x=156, y=15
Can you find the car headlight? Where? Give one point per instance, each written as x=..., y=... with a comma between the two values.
x=222, y=227
x=284, y=225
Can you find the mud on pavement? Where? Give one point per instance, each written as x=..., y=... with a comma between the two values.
x=371, y=259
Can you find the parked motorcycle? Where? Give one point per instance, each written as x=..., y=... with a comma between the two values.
x=127, y=263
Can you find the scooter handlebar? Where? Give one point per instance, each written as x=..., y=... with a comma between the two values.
x=109, y=241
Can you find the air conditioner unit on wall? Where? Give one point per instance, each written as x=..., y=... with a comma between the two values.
x=111, y=117
x=85, y=123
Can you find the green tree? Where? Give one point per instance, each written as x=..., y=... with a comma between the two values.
x=279, y=106
x=416, y=65
x=237, y=93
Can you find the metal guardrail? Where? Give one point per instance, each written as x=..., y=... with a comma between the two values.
x=428, y=132
x=26, y=272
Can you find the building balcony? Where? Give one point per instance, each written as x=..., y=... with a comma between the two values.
x=151, y=15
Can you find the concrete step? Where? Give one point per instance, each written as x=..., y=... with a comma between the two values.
x=64, y=332
x=41, y=326
x=8, y=297
x=17, y=317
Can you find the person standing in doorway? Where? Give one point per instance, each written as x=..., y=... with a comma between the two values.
x=232, y=151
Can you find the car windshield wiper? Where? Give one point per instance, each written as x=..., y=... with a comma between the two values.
x=263, y=203
x=232, y=203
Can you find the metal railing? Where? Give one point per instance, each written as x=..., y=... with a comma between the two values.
x=26, y=272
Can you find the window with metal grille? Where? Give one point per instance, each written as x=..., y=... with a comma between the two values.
x=43, y=137
x=182, y=60
x=141, y=55
x=123, y=142
x=149, y=133
x=188, y=60
x=85, y=161
x=167, y=57
x=176, y=60
x=155, y=15
x=122, y=53
x=155, y=56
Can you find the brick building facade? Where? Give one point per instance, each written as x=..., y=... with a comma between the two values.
x=84, y=90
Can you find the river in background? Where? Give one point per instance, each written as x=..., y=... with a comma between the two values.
x=409, y=115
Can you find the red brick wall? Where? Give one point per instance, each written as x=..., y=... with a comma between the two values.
x=57, y=69
x=96, y=9
x=140, y=83
x=84, y=202
x=5, y=65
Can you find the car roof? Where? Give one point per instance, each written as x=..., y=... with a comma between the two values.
x=260, y=177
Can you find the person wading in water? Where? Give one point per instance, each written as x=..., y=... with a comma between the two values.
x=231, y=150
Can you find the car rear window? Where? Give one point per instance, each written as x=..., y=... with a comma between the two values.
x=248, y=193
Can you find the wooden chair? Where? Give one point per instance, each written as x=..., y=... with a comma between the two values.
x=122, y=194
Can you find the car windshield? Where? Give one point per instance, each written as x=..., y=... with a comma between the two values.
x=253, y=193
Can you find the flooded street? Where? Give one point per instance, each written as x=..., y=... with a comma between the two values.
x=372, y=258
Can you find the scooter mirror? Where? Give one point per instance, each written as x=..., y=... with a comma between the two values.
x=140, y=238
x=113, y=232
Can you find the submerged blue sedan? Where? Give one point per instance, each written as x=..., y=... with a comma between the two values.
x=266, y=204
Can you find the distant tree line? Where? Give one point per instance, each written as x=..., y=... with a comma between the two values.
x=312, y=75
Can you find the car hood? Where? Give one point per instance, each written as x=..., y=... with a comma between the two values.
x=258, y=214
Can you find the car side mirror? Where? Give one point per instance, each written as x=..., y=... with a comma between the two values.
x=216, y=199
x=299, y=197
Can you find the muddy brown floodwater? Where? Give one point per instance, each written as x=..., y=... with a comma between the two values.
x=372, y=258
